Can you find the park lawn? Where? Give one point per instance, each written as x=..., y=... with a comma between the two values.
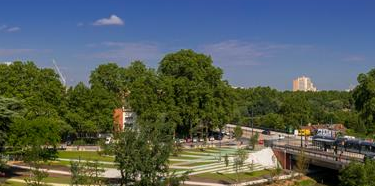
x=193, y=164
x=306, y=182
x=84, y=155
x=67, y=164
x=231, y=178
x=183, y=157
x=13, y=183
x=177, y=170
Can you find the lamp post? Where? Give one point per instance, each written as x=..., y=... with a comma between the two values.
x=301, y=134
x=252, y=121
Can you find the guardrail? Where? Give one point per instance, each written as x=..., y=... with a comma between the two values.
x=312, y=153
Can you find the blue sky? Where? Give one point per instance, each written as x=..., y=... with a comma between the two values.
x=255, y=42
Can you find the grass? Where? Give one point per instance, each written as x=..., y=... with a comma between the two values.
x=232, y=177
x=193, y=164
x=306, y=182
x=84, y=155
x=13, y=183
x=183, y=157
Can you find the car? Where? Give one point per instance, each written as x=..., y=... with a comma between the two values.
x=218, y=137
x=108, y=140
x=181, y=141
x=281, y=136
x=211, y=138
x=195, y=140
x=266, y=132
x=188, y=140
x=201, y=139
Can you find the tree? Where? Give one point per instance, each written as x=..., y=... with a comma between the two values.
x=253, y=140
x=226, y=160
x=86, y=173
x=238, y=132
x=302, y=163
x=238, y=161
x=196, y=92
x=10, y=109
x=142, y=156
x=364, y=98
x=39, y=89
x=355, y=175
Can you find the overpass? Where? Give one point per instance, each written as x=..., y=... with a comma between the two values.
x=287, y=154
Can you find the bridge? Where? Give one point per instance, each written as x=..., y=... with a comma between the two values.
x=288, y=153
x=289, y=147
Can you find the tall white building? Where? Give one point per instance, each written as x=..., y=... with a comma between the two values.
x=303, y=84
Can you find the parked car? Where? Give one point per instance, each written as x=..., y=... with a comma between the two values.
x=195, y=140
x=108, y=140
x=201, y=139
x=211, y=138
x=266, y=132
x=182, y=141
x=188, y=140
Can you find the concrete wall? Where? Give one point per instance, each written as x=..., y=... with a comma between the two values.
x=284, y=158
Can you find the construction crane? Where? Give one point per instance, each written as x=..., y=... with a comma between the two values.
x=62, y=78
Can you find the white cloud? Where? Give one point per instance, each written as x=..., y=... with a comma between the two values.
x=13, y=29
x=234, y=52
x=10, y=52
x=2, y=27
x=354, y=58
x=127, y=51
x=112, y=20
x=243, y=53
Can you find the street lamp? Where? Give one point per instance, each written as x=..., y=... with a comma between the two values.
x=252, y=121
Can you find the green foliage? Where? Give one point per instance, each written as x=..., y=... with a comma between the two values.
x=238, y=161
x=198, y=97
x=86, y=173
x=226, y=160
x=142, y=156
x=39, y=89
x=177, y=148
x=358, y=174
x=364, y=99
x=302, y=163
x=238, y=132
x=253, y=140
x=9, y=110
x=176, y=180
x=37, y=177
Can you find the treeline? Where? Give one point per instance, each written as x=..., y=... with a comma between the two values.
x=185, y=92
x=280, y=110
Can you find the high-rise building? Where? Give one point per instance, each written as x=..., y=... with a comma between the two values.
x=303, y=84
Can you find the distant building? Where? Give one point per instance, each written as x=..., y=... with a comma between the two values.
x=122, y=118
x=303, y=84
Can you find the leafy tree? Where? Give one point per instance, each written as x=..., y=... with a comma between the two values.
x=226, y=160
x=40, y=89
x=9, y=109
x=175, y=180
x=238, y=132
x=302, y=163
x=238, y=161
x=142, y=156
x=86, y=173
x=253, y=140
x=364, y=98
x=355, y=174
x=196, y=91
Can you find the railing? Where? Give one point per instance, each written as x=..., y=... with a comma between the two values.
x=327, y=156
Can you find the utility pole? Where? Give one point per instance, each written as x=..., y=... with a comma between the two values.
x=301, y=132
x=252, y=121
